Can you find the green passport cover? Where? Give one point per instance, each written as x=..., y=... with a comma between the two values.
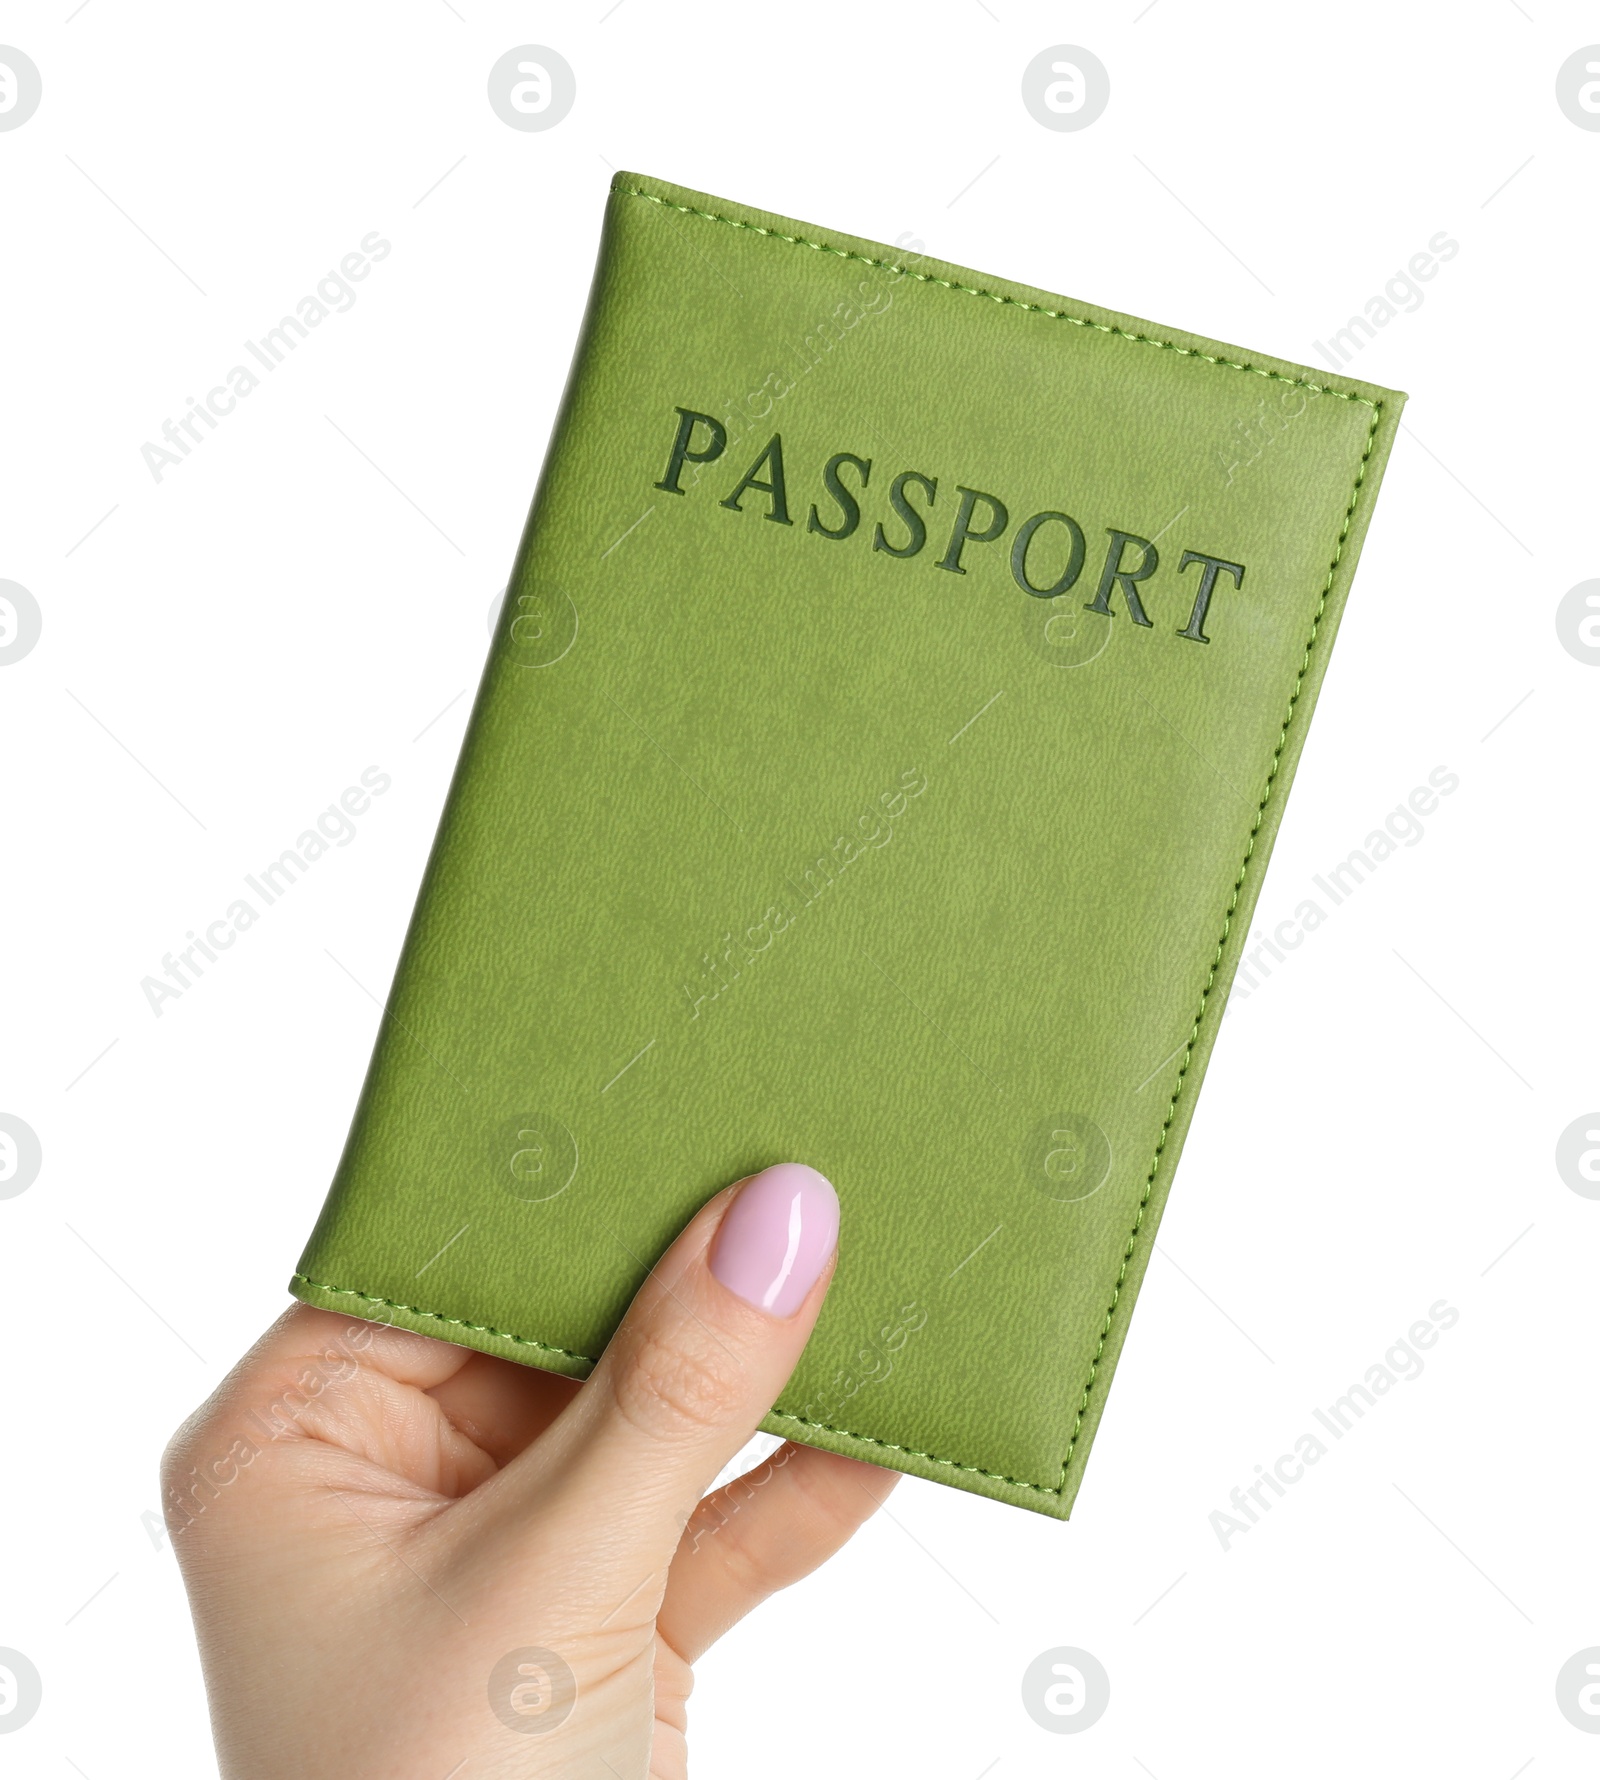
x=875, y=764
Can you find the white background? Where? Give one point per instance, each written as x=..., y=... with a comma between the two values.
x=225, y=650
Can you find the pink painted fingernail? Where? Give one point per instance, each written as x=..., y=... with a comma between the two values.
x=776, y=1237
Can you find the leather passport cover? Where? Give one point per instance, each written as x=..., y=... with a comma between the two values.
x=876, y=761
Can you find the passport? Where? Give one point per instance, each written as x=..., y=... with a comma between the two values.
x=879, y=749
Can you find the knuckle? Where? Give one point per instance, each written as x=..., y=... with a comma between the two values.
x=818, y=1516
x=175, y=1461
x=196, y=1468
x=752, y=1564
x=830, y=1508
x=677, y=1385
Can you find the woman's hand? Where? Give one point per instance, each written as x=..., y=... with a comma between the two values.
x=409, y=1560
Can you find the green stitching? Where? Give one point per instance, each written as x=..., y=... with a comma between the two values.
x=1078, y=321
x=1227, y=919
x=1227, y=924
x=806, y=1421
x=567, y=1353
x=437, y=1317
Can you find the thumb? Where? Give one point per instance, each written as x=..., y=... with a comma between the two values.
x=699, y=1359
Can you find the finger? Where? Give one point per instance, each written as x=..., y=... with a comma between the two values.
x=500, y=1406
x=497, y=1404
x=318, y=1382
x=761, y=1533
x=700, y=1357
x=305, y=1336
